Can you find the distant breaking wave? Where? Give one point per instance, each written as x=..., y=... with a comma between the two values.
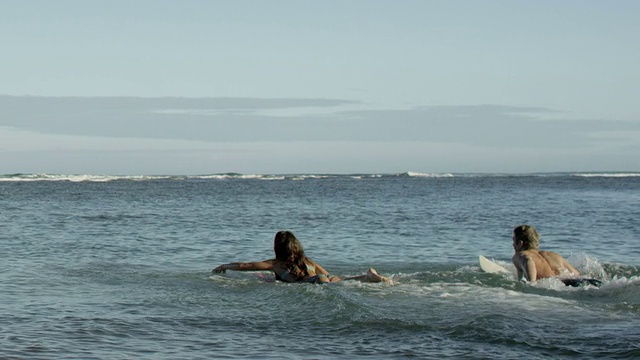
x=235, y=176
x=630, y=174
x=225, y=176
x=416, y=174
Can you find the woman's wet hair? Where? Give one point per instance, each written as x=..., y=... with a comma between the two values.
x=528, y=235
x=289, y=250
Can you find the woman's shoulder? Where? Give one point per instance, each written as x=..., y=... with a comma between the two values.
x=316, y=268
x=311, y=267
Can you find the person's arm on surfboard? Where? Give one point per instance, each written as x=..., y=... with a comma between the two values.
x=516, y=264
x=245, y=266
x=525, y=267
x=530, y=271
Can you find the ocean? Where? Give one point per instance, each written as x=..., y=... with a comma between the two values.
x=119, y=267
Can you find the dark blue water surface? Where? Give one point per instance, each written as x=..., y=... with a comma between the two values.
x=120, y=267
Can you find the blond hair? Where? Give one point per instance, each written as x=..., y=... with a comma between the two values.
x=528, y=235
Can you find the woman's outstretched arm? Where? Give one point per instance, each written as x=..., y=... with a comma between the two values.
x=245, y=266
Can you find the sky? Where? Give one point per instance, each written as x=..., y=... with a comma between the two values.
x=202, y=87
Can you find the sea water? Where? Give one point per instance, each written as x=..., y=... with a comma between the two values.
x=119, y=267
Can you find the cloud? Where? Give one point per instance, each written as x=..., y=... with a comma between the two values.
x=278, y=120
x=125, y=135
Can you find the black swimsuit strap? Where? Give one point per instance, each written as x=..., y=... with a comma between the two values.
x=581, y=281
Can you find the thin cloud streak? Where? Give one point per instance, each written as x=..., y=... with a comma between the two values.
x=249, y=120
x=211, y=135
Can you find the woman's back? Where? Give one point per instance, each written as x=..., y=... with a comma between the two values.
x=291, y=273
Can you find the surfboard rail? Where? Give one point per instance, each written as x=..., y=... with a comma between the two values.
x=491, y=267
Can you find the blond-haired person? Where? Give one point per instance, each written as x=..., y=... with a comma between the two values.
x=533, y=264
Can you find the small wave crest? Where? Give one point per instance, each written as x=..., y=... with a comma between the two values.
x=617, y=175
x=422, y=175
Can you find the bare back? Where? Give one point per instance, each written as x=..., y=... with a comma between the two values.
x=539, y=264
x=282, y=272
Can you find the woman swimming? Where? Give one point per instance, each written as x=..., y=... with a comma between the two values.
x=291, y=264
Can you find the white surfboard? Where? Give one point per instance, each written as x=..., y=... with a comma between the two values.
x=490, y=267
